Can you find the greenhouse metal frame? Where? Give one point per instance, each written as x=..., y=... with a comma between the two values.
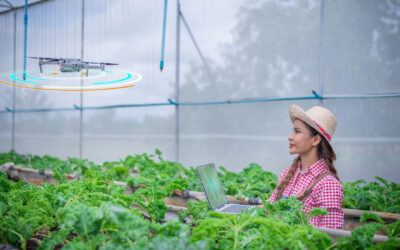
x=316, y=94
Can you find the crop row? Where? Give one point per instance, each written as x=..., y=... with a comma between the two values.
x=94, y=213
x=252, y=181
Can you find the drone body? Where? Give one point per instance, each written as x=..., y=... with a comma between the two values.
x=71, y=64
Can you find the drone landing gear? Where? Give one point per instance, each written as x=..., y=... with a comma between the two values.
x=40, y=65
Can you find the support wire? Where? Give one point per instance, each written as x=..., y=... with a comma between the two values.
x=208, y=70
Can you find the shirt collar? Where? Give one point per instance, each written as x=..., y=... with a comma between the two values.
x=317, y=168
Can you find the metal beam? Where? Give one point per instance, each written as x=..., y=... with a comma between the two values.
x=322, y=51
x=14, y=70
x=177, y=64
x=163, y=35
x=25, y=36
x=81, y=96
x=170, y=102
x=9, y=4
x=22, y=6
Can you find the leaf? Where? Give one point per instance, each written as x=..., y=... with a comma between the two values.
x=59, y=176
x=317, y=211
x=5, y=185
x=55, y=238
x=77, y=244
x=393, y=230
x=383, y=181
x=172, y=228
x=196, y=211
x=390, y=244
x=157, y=209
x=371, y=216
x=249, y=236
x=361, y=237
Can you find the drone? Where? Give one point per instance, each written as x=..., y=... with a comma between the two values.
x=71, y=64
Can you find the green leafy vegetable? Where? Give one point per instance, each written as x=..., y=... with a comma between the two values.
x=93, y=213
x=372, y=196
x=371, y=216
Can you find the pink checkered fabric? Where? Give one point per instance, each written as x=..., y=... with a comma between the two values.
x=327, y=193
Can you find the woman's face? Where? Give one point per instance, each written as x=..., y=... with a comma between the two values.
x=300, y=140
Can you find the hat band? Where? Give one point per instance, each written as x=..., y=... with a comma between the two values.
x=322, y=130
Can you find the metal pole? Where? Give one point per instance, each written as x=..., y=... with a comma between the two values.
x=14, y=70
x=163, y=35
x=25, y=35
x=178, y=16
x=322, y=51
x=81, y=93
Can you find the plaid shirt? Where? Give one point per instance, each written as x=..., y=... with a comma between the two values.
x=327, y=193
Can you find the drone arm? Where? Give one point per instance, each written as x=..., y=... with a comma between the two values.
x=45, y=61
x=49, y=62
x=93, y=67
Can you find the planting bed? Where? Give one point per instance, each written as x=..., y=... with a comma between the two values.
x=143, y=202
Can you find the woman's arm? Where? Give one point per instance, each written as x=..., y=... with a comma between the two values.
x=328, y=194
x=272, y=197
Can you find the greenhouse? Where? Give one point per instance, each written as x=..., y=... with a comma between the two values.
x=130, y=124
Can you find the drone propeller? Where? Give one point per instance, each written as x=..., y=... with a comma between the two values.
x=45, y=58
x=103, y=63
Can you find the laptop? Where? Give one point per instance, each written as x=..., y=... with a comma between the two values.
x=215, y=193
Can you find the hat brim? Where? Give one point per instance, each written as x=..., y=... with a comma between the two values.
x=296, y=112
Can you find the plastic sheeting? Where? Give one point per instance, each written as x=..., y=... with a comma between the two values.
x=253, y=49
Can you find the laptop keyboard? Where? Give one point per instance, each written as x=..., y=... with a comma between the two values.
x=235, y=208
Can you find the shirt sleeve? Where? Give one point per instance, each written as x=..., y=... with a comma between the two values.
x=328, y=194
x=281, y=176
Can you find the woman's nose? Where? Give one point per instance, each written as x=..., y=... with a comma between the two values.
x=290, y=137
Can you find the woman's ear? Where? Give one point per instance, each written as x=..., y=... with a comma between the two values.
x=316, y=140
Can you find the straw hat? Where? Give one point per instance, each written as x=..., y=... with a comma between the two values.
x=319, y=118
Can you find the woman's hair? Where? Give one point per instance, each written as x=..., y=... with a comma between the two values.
x=325, y=151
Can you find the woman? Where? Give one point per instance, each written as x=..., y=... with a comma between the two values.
x=312, y=176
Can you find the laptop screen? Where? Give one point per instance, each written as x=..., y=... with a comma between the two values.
x=211, y=185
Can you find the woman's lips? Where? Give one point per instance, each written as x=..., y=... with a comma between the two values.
x=291, y=145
